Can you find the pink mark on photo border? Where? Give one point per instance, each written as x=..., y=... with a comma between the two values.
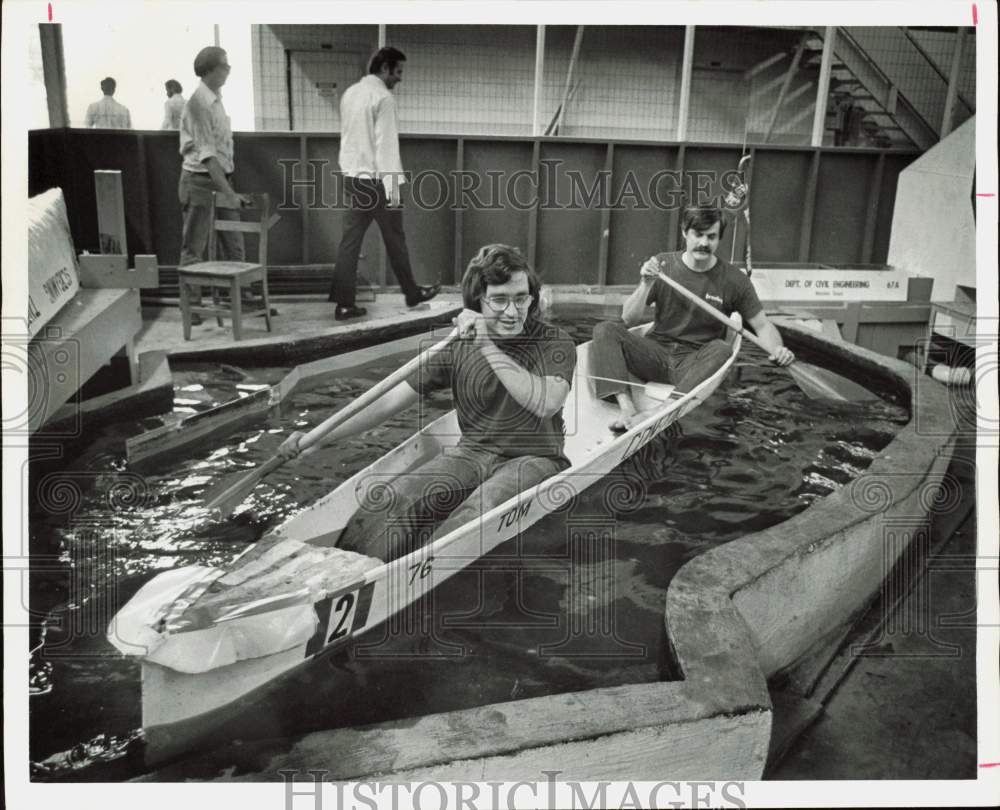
x=50, y=12
x=975, y=15
x=989, y=194
x=989, y=764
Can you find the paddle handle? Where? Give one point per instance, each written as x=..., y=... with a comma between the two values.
x=373, y=393
x=719, y=316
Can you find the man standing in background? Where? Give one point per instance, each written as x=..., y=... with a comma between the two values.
x=373, y=173
x=108, y=113
x=173, y=106
x=206, y=146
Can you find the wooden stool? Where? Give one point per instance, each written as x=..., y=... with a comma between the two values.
x=230, y=275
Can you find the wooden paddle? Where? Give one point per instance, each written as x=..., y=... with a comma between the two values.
x=227, y=495
x=813, y=380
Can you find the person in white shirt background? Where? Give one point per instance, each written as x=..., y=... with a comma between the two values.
x=173, y=106
x=108, y=113
x=373, y=174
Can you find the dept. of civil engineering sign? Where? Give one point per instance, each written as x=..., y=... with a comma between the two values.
x=830, y=284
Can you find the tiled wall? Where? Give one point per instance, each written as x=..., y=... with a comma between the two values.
x=480, y=79
x=626, y=82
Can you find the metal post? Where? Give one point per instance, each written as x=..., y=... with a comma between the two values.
x=823, y=91
x=686, y=67
x=217, y=41
x=381, y=36
x=949, y=99
x=536, y=115
x=54, y=71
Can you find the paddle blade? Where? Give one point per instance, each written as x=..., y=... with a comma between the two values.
x=820, y=383
x=658, y=391
x=227, y=495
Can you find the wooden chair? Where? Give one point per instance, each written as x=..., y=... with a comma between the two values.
x=230, y=275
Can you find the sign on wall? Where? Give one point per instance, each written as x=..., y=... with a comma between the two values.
x=800, y=284
x=52, y=274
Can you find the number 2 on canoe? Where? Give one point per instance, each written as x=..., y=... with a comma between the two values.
x=342, y=612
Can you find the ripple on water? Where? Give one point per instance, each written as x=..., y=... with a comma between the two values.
x=584, y=608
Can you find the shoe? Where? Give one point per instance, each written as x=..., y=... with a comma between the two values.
x=424, y=294
x=343, y=313
x=261, y=313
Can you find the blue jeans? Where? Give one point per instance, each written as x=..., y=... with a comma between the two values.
x=398, y=516
x=616, y=351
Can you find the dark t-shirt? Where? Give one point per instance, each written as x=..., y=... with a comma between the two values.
x=680, y=321
x=490, y=418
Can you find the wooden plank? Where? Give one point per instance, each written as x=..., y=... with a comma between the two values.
x=110, y=271
x=809, y=209
x=673, y=228
x=145, y=217
x=304, y=161
x=536, y=151
x=223, y=419
x=110, y=211
x=874, y=198
x=215, y=422
x=459, y=270
x=602, y=252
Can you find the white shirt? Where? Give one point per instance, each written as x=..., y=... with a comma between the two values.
x=205, y=132
x=369, y=132
x=108, y=114
x=172, y=109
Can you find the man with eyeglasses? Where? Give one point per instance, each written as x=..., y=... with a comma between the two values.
x=685, y=346
x=509, y=374
x=206, y=146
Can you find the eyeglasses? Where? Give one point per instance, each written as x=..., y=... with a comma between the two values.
x=500, y=303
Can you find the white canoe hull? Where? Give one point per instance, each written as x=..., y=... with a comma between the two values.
x=194, y=680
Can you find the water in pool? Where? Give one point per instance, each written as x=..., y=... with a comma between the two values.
x=575, y=603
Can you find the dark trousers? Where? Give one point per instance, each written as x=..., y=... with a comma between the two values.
x=368, y=201
x=615, y=352
x=459, y=485
x=195, y=194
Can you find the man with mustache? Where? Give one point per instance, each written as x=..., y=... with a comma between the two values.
x=685, y=345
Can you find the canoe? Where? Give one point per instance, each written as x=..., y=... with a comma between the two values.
x=214, y=640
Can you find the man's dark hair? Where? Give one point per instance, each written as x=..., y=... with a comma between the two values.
x=108, y=86
x=207, y=60
x=495, y=264
x=702, y=219
x=174, y=87
x=385, y=56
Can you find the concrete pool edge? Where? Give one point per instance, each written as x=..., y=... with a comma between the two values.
x=735, y=616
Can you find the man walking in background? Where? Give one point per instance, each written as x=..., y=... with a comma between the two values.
x=173, y=106
x=373, y=173
x=108, y=113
